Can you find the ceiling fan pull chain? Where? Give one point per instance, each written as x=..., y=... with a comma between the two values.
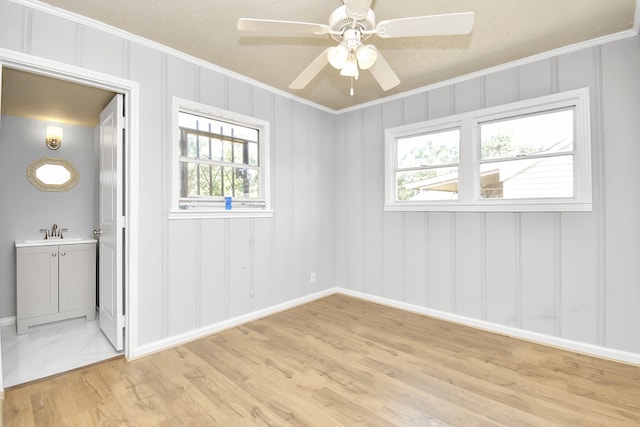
x=351, y=92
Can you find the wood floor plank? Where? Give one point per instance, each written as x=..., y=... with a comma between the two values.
x=339, y=361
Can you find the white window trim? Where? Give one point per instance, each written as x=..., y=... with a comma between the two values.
x=184, y=105
x=469, y=166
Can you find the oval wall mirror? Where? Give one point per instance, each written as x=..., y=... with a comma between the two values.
x=47, y=174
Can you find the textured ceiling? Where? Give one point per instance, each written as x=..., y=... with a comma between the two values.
x=504, y=31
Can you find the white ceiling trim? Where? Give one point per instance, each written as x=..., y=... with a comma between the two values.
x=101, y=26
x=508, y=65
x=39, y=5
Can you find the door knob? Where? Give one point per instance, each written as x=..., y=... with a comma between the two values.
x=97, y=232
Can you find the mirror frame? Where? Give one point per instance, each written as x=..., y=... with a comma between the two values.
x=43, y=186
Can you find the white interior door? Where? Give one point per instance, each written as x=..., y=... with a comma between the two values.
x=111, y=237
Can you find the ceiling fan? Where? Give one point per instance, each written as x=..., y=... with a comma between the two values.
x=352, y=24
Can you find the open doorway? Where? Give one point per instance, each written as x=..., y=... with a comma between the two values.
x=77, y=108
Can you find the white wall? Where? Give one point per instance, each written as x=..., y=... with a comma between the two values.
x=194, y=273
x=24, y=209
x=570, y=275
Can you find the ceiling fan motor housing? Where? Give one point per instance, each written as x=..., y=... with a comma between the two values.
x=339, y=22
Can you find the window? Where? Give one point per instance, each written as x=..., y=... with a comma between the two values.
x=425, y=159
x=532, y=155
x=220, y=162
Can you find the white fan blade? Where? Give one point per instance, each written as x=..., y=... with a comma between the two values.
x=268, y=25
x=384, y=74
x=311, y=71
x=357, y=9
x=432, y=25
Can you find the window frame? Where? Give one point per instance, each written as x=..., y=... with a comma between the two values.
x=469, y=198
x=217, y=209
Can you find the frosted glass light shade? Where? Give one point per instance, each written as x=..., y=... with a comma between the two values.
x=54, y=137
x=366, y=55
x=338, y=56
x=350, y=68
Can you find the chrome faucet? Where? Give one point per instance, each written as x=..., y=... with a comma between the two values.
x=55, y=232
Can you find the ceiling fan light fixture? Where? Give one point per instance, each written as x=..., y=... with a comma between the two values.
x=366, y=55
x=350, y=68
x=338, y=56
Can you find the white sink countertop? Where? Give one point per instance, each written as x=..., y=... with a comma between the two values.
x=53, y=242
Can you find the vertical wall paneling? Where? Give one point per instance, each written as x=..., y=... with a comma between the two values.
x=59, y=44
x=283, y=187
x=576, y=70
x=354, y=212
x=264, y=285
x=240, y=97
x=212, y=88
x=264, y=291
x=579, y=278
x=415, y=108
x=536, y=79
x=440, y=264
x=373, y=195
x=538, y=272
x=146, y=67
x=238, y=248
x=620, y=106
x=301, y=226
x=501, y=88
x=373, y=218
x=315, y=202
x=415, y=272
x=468, y=263
x=501, y=268
x=440, y=103
x=101, y=51
x=469, y=95
x=328, y=173
x=393, y=225
x=213, y=272
x=182, y=291
x=11, y=29
x=340, y=201
x=394, y=256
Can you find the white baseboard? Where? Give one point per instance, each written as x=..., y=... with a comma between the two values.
x=562, y=343
x=7, y=321
x=175, y=340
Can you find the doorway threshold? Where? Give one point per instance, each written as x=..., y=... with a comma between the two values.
x=51, y=349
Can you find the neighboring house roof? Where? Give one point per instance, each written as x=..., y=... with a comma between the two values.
x=495, y=173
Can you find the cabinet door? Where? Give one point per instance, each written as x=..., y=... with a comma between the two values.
x=37, y=278
x=77, y=276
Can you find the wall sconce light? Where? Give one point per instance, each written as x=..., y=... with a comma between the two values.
x=54, y=137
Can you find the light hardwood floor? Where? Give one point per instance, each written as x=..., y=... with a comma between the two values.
x=339, y=361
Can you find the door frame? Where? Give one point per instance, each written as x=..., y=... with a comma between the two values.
x=131, y=92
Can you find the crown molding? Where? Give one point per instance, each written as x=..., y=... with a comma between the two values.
x=101, y=26
x=507, y=65
x=39, y=5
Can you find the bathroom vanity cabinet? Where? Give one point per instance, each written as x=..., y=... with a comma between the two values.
x=56, y=280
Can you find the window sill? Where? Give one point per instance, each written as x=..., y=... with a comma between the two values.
x=220, y=214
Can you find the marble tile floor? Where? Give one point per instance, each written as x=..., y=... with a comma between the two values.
x=51, y=349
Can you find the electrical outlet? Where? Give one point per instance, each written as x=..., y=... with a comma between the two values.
x=312, y=278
